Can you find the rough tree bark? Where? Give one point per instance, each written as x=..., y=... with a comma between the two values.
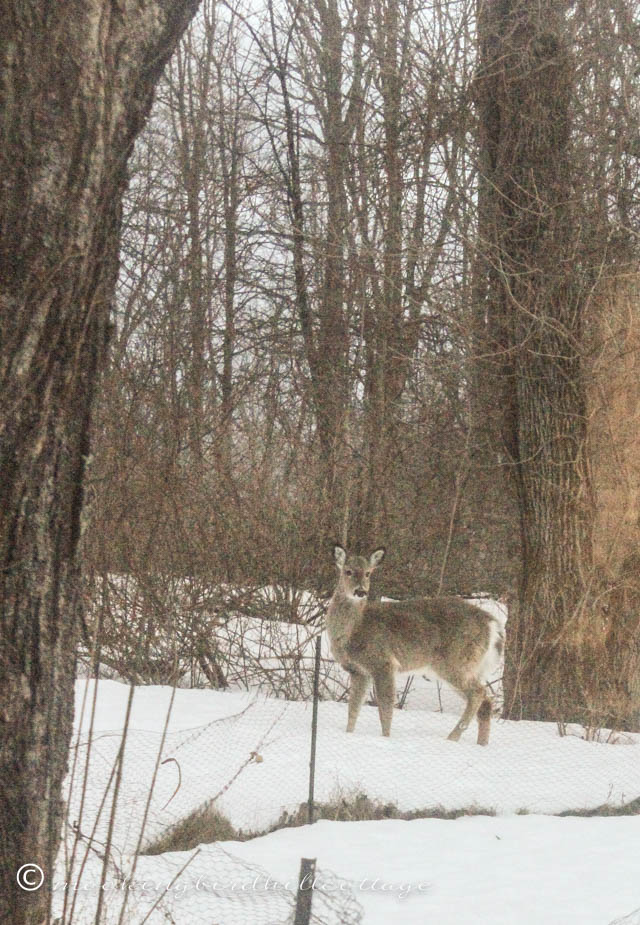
x=535, y=310
x=77, y=78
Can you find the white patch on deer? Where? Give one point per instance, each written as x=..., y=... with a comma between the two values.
x=492, y=658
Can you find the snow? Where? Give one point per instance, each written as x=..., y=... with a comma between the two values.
x=527, y=766
x=530, y=870
x=252, y=753
x=470, y=871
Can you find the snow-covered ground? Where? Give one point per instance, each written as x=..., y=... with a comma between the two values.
x=517, y=870
x=253, y=754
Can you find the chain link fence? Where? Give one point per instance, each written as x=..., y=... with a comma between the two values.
x=227, y=766
x=632, y=919
x=146, y=808
x=208, y=885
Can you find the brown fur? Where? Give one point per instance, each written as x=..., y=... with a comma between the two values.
x=457, y=641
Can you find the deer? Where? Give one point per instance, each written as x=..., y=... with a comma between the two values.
x=447, y=636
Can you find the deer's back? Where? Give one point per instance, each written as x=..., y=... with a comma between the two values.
x=445, y=634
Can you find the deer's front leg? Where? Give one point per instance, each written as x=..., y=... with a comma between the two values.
x=384, y=679
x=357, y=693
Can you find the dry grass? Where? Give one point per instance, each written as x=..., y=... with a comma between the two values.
x=358, y=807
x=208, y=825
x=204, y=826
x=632, y=808
x=198, y=828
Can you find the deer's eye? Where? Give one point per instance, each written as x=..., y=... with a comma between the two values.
x=348, y=572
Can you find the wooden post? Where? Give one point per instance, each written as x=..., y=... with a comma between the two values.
x=305, y=891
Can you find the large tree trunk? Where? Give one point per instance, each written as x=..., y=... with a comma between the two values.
x=77, y=84
x=613, y=403
x=535, y=320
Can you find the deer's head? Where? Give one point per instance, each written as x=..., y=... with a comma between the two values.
x=354, y=572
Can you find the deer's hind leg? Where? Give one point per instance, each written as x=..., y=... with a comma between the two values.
x=475, y=696
x=357, y=693
x=384, y=679
x=484, y=721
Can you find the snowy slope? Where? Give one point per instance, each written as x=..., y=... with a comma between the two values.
x=517, y=870
x=522, y=870
x=509, y=869
x=213, y=734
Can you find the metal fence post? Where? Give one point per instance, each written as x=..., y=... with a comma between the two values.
x=314, y=729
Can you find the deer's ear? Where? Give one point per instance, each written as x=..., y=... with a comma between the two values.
x=339, y=555
x=376, y=557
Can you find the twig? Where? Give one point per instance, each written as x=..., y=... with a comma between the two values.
x=177, y=763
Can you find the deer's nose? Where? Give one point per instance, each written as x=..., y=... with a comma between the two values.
x=360, y=592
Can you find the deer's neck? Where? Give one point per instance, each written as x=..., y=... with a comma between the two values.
x=343, y=613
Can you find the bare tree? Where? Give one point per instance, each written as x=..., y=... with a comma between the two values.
x=318, y=34
x=77, y=84
x=326, y=262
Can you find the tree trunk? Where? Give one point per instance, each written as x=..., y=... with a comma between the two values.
x=229, y=153
x=535, y=318
x=387, y=362
x=332, y=354
x=77, y=84
x=324, y=328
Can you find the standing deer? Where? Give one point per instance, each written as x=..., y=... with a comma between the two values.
x=447, y=636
